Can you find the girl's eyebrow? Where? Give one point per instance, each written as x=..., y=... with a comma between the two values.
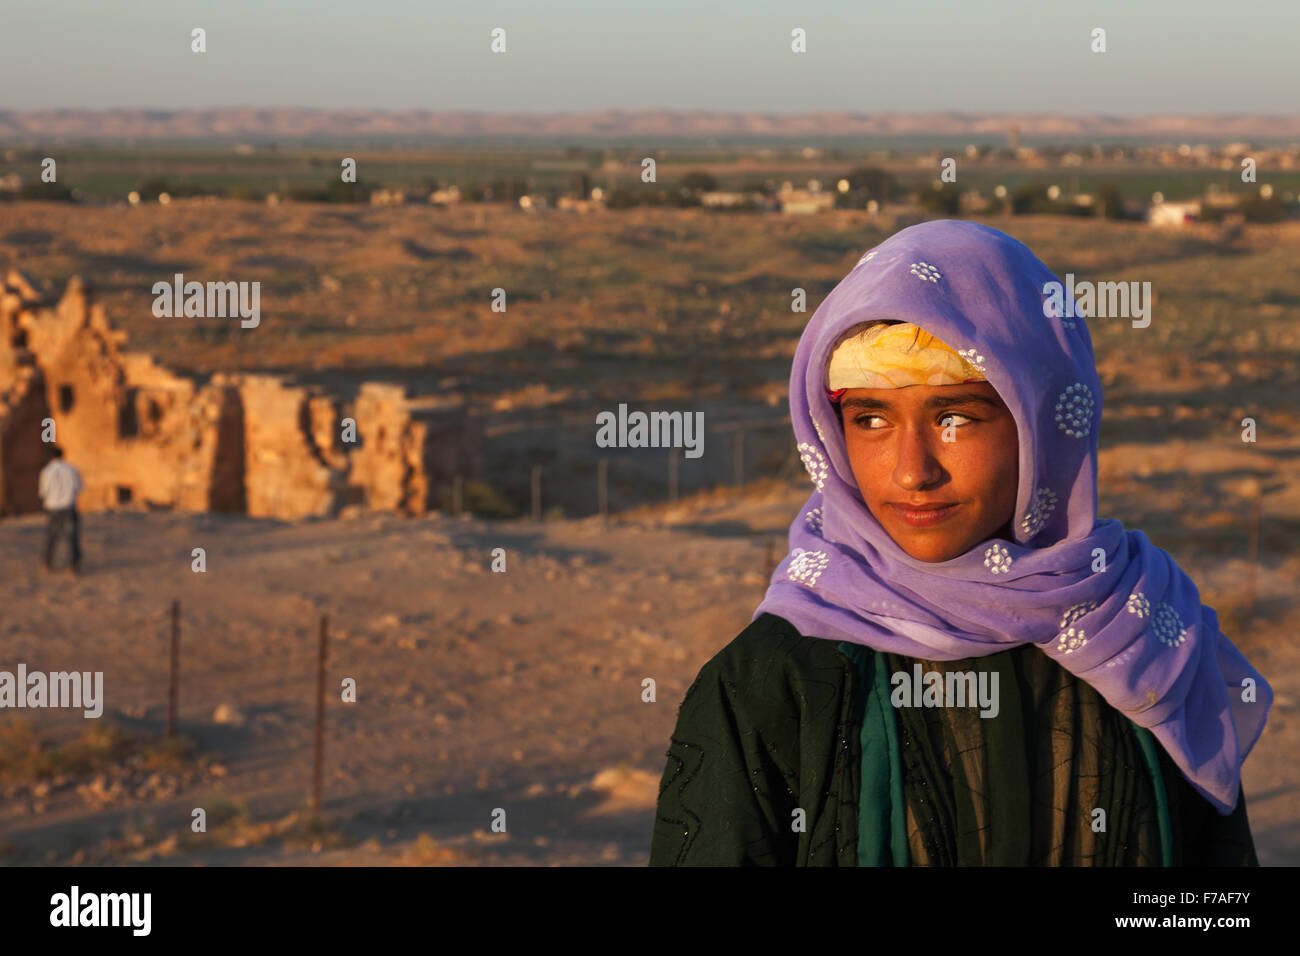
x=938, y=401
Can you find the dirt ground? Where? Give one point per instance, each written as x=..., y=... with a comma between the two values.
x=522, y=690
x=476, y=690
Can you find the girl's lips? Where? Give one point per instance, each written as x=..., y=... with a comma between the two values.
x=921, y=519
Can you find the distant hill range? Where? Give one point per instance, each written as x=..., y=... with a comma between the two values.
x=628, y=125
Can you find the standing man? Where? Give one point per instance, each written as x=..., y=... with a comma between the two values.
x=60, y=483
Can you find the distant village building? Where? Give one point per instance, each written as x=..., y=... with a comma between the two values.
x=805, y=201
x=972, y=201
x=573, y=204
x=723, y=200
x=11, y=183
x=1164, y=215
x=445, y=197
x=395, y=197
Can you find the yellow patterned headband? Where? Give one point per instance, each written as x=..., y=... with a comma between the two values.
x=895, y=355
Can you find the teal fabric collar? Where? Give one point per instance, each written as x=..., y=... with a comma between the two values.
x=882, y=819
x=1148, y=744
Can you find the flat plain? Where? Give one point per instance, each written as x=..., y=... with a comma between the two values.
x=523, y=690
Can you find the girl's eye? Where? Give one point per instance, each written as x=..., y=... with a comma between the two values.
x=956, y=415
x=863, y=421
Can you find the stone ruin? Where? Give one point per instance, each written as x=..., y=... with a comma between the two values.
x=144, y=437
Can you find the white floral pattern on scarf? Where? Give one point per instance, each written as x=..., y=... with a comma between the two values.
x=815, y=462
x=807, y=566
x=813, y=519
x=998, y=559
x=1074, y=411
x=1167, y=626
x=1071, y=638
x=925, y=271
x=1138, y=604
x=1042, y=508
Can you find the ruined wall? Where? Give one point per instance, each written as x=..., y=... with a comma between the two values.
x=144, y=437
x=135, y=430
x=381, y=466
x=224, y=488
x=291, y=470
x=22, y=454
x=22, y=400
x=410, y=449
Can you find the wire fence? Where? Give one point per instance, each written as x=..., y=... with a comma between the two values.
x=584, y=484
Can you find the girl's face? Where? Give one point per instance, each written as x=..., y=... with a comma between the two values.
x=897, y=449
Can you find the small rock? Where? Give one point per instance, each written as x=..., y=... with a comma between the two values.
x=228, y=714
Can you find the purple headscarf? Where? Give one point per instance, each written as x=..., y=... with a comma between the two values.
x=1135, y=631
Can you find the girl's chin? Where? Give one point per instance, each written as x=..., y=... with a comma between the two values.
x=935, y=544
x=932, y=551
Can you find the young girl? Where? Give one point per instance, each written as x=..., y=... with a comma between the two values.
x=957, y=663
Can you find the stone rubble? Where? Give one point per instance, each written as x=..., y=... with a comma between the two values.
x=145, y=438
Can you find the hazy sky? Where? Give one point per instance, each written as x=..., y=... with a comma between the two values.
x=1181, y=56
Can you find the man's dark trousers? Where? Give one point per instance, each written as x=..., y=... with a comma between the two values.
x=62, y=523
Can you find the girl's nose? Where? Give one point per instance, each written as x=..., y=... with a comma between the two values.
x=917, y=467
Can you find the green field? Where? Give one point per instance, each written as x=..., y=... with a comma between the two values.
x=110, y=173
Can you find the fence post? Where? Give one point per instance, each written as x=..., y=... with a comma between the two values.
x=319, y=758
x=174, y=669
x=602, y=488
x=738, y=460
x=1253, y=560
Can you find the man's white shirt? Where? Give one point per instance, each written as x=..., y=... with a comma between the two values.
x=60, y=484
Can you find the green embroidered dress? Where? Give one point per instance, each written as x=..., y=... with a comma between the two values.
x=778, y=722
